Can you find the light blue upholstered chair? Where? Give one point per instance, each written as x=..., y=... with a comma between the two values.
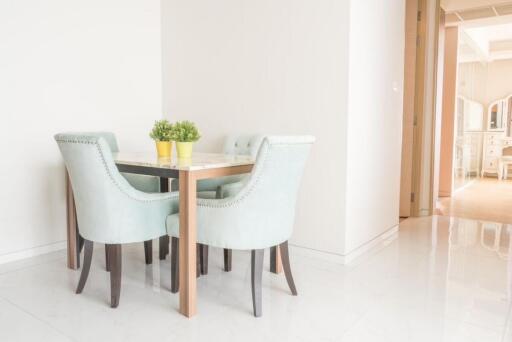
x=235, y=144
x=139, y=182
x=109, y=209
x=260, y=213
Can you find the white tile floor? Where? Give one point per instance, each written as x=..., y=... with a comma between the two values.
x=440, y=279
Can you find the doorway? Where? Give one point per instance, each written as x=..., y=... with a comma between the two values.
x=458, y=112
x=476, y=183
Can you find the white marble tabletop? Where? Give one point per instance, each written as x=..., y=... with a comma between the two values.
x=199, y=161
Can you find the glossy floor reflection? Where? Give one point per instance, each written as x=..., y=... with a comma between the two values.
x=439, y=279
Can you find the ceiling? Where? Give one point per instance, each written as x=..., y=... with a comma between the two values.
x=486, y=43
x=455, y=5
x=485, y=28
x=476, y=11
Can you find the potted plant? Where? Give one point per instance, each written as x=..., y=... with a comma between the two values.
x=185, y=133
x=161, y=134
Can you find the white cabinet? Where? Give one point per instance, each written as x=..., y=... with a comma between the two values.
x=473, y=152
x=492, y=147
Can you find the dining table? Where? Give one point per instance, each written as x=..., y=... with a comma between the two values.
x=188, y=172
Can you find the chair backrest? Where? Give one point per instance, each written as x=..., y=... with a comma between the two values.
x=98, y=187
x=243, y=144
x=109, y=137
x=267, y=202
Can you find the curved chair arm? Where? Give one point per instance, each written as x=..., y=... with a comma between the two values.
x=230, y=217
x=141, y=216
x=137, y=217
x=223, y=223
x=230, y=189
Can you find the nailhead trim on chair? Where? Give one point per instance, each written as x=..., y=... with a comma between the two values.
x=76, y=141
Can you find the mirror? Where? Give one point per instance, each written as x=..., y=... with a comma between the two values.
x=496, y=120
x=494, y=115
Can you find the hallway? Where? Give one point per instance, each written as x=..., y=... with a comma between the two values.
x=484, y=199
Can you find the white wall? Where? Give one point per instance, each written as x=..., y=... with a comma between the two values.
x=68, y=65
x=283, y=67
x=270, y=67
x=231, y=66
x=375, y=103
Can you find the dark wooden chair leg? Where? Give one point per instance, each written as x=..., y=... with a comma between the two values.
x=81, y=242
x=78, y=248
x=274, y=255
x=228, y=258
x=115, y=274
x=285, y=258
x=148, y=251
x=163, y=247
x=175, y=277
x=256, y=276
x=167, y=243
x=198, y=260
x=204, y=259
x=86, y=266
x=107, y=258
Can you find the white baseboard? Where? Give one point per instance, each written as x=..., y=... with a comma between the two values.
x=376, y=242
x=316, y=254
x=31, y=252
x=342, y=259
x=345, y=259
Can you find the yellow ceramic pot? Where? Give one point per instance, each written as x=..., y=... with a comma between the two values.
x=184, y=149
x=164, y=149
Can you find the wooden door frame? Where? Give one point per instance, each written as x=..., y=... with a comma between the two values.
x=411, y=33
x=449, y=112
x=427, y=111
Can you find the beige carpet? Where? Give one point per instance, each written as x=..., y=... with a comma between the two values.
x=484, y=199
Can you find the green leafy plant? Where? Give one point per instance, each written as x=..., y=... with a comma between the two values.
x=185, y=131
x=161, y=131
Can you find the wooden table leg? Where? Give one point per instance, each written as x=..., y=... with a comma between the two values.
x=276, y=265
x=72, y=231
x=187, y=249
